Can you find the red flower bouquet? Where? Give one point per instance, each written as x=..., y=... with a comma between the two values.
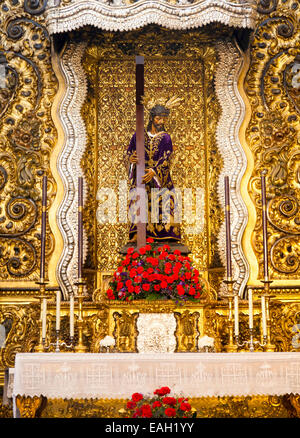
x=155, y=275
x=159, y=406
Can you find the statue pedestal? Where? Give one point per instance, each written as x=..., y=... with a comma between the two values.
x=173, y=245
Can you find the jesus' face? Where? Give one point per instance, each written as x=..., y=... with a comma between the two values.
x=159, y=123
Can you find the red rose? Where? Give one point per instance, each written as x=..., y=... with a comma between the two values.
x=157, y=287
x=170, y=412
x=156, y=404
x=150, y=270
x=169, y=401
x=164, y=284
x=177, y=252
x=135, y=255
x=148, y=247
x=142, y=250
x=188, y=275
x=131, y=405
x=140, y=269
x=137, y=289
x=137, y=279
x=166, y=248
x=146, y=287
x=149, y=240
x=130, y=289
x=154, y=262
x=185, y=406
x=136, y=397
x=145, y=274
x=130, y=251
x=128, y=283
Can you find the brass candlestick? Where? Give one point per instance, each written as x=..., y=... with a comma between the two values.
x=231, y=347
x=41, y=345
x=269, y=346
x=80, y=348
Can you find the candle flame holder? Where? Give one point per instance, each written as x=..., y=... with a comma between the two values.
x=42, y=285
x=266, y=282
x=80, y=347
x=231, y=347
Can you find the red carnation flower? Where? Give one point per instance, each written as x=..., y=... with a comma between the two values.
x=157, y=287
x=164, y=284
x=137, y=289
x=177, y=252
x=146, y=287
x=146, y=411
x=170, y=412
x=169, y=401
x=136, y=397
x=149, y=240
x=156, y=404
x=142, y=250
x=132, y=273
x=164, y=390
x=185, y=406
x=180, y=290
x=130, y=251
x=140, y=269
x=135, y=255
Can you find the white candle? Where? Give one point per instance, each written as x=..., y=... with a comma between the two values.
x=250, y=299
x=236, y=315
x=263, y=315
x=72, y=316
x=58, y=310
x=44, y=318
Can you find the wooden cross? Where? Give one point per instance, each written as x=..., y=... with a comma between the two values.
x=140, y=150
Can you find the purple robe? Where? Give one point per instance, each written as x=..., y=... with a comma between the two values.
x=158, y=151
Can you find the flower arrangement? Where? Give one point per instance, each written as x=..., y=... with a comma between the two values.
x=154, y=275
x=159, y=406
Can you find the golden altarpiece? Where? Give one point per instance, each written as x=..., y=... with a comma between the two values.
x=68, y=109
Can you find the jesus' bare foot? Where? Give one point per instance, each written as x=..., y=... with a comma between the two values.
x=134, y=238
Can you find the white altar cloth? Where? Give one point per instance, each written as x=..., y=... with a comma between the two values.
x=118, y=375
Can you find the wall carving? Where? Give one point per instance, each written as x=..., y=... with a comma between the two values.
x=272, y=87
x=27, y=138
x=125, y=15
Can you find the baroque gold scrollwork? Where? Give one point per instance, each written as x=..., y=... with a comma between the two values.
x=273, y=90
x=125, y=331
x=27, y=136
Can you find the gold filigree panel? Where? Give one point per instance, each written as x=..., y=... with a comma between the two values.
x=27, y=138
x=272, y=87
x=184, y=65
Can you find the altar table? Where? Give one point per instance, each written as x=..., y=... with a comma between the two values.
x=118, y=375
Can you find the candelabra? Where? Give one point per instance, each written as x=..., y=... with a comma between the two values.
x=251, y=341
x=58, y=344
x=80, y=347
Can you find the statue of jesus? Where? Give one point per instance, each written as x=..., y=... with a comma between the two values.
x=158, y=152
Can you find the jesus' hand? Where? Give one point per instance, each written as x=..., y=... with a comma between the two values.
x=148, y=176
x=133, y=158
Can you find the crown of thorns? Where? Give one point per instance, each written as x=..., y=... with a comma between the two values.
x=160, y=105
